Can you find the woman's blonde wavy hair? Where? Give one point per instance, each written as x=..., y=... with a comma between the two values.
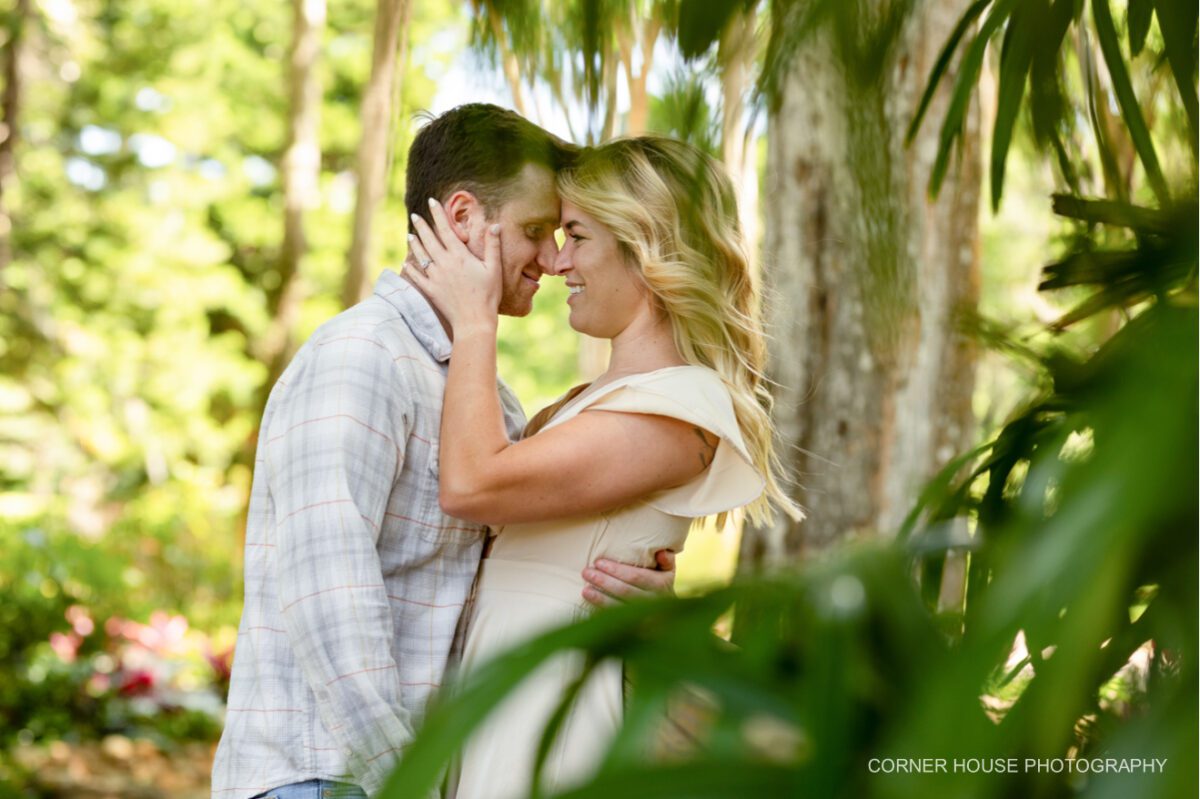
x=673, y=211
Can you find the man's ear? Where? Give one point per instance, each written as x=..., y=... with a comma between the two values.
x=465, y=211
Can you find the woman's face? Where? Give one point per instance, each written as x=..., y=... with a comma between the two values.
x=606, y=296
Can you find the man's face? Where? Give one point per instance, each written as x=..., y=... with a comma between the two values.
x=527, y=245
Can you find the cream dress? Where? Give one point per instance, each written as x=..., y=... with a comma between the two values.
x=531, y=583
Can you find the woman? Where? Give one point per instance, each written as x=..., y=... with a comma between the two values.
x=677, y=428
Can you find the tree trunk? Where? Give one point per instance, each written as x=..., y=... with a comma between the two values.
x=870, y=276
x=301, y=175
x=508, y=60
x=391, y=28
x=301, y=169
x=556, y=92
x=735, y=59
x=10, y=123
x=610, y=100
x=735, y=56
x=639, y=99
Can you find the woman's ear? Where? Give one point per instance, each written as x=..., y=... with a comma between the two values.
x=465, y=212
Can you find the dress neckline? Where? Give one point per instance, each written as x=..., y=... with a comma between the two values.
x=589, y=393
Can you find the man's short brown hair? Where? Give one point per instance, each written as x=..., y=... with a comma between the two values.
x=480, y=148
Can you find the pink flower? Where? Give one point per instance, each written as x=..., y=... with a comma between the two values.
x=80, y=620
x=99, y=684
x=221, y=662
x=65, y=645
x=137, y=683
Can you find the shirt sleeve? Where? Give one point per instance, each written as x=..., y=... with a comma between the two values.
x=335, y=449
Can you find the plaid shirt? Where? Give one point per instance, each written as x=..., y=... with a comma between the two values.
x=354, y=578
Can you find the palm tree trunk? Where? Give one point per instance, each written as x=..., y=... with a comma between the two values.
x=871, y=278
x=391, y=40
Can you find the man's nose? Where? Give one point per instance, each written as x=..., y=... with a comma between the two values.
x=547, y=256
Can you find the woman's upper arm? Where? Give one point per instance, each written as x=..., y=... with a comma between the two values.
x=596, y=461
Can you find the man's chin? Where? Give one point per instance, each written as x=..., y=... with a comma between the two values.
x=518, y=308
x=516, y=304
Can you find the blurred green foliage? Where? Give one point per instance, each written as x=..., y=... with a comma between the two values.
x=76, y=667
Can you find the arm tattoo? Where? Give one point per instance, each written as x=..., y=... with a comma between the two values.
x=710, y=449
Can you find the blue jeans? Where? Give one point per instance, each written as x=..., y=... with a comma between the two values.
x=315, y=789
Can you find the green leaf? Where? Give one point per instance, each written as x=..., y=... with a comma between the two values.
x=1097, y=104
x=1130, y=110
x=1177, y=20
x=943, y=61
x=1112, y=212
x=701, y=23
x=1100, y=301
x=591, y=13
x=1140, y=14
x=967, y=76
x=1047, y=104
x=1090, y=268
x=557, y=719
x=938, y=488
x=1015, y=59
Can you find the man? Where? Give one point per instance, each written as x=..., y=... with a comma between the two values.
x=354, y=578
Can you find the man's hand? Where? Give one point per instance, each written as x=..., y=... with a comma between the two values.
x=610, y=582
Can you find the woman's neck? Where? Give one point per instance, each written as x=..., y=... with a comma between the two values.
x=647, y=344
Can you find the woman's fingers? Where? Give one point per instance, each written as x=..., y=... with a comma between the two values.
x=456, y=269
x=418, y=277
x=429, y=240
x=419, y=253
x=445, y=232
x=491, y=249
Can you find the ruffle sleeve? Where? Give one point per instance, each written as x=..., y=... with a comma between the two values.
x=698, y=396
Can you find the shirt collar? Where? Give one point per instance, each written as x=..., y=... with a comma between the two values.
x=417, y=313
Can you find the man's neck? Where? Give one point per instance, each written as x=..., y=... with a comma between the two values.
x=409, y=263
